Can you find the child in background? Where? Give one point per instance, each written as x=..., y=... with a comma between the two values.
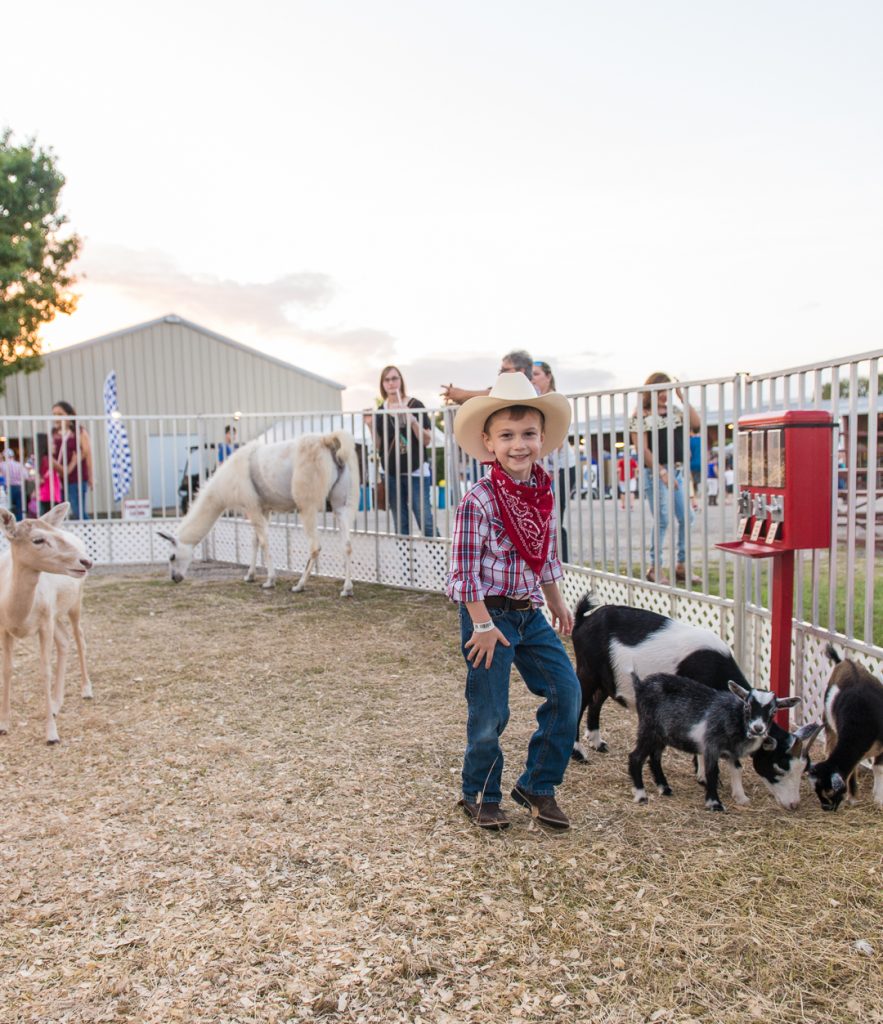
x=48, y=481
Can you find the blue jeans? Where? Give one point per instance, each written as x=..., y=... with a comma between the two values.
x=76, y=495
x=401, y=502
x=654, y=489
x=540, y=657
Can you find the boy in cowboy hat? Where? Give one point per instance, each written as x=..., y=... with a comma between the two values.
x=504, y=563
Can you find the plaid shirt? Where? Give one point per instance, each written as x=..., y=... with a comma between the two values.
x=484, y=560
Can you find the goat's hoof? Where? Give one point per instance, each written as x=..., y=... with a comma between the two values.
x=4, y=730
x=742, y=801
x=51, y=743
x=665, y=791
x=268, y=585
x=578, y=754
x=641, y=797
x=715, y=805
x=602, y=748
x=248, y=578
x=87, y=692
x=347, y=593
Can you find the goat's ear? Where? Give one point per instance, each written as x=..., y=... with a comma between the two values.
x=7, y=523
x=787, y=702
x=837, y=783
x=768, y=744
x=740, y=691
x=804, y=737
x=56, y=515
x=167, y=536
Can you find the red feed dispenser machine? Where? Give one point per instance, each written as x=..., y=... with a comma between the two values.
x=784, y=492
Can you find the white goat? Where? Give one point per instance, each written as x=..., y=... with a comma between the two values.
x=36, y=595
x=304, y=475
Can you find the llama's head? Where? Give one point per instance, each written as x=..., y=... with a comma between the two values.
x=180, y=558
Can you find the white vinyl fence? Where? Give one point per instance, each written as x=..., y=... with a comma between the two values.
x=607, y=521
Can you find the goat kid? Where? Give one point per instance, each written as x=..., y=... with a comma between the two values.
x=674, y=712
x=41, y=584
x=613, y=640
x=854, y=730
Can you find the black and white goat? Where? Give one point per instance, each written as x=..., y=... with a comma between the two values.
x=674, y=712
x=854, y=730
x=613, y=640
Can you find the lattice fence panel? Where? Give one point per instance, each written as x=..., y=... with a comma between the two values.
x=653, y=599
x=365, y=557
x=812, y=678
x=703, y=614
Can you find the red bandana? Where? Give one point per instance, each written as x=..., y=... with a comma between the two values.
x=526, y=512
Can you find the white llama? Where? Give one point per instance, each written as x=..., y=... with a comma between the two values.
x=303, y=475
x=36, y=594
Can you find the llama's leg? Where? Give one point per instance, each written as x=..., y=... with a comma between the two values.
x=47, y=634
x=8, y=641
x=342, y=517
x=308, y=518
x=252, y=569
x=80, y=640
x=262, y=539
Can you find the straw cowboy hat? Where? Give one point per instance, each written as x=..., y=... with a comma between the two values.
x=511, y=389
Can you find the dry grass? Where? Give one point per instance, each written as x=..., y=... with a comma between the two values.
x=255, y=821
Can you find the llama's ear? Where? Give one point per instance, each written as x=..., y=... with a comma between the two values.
x=167, y=536
x=57, y=514
x=7, y=523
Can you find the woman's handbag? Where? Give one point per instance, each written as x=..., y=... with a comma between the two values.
x=380, y=496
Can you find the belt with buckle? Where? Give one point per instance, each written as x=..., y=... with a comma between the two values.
x=508, y=604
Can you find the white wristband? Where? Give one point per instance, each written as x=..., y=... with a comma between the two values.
x=483, y=627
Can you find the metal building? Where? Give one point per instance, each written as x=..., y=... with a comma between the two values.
x=168, y=367
x=178, y=384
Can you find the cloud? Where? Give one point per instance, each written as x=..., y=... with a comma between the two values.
x=151, y=277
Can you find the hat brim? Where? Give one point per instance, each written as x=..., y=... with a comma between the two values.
x=473, y=414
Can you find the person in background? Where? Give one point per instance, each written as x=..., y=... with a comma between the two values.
x=517, y=361
x=696, y=459
x=670, y=477
x=628, y=477
x=13, y=476
x=228, y=445
x=712, y=480
x=72, y=454
x=544, y=383
x=48, y=482
x=402, y=438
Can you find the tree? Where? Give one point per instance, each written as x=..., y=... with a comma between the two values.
x=862, y=387
x=35, y=253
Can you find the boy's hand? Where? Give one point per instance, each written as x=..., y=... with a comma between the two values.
x=562, y=617
x=480, y=647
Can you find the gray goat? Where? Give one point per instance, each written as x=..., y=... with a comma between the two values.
x=674, y=712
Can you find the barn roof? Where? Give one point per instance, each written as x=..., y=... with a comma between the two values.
x=173, y=318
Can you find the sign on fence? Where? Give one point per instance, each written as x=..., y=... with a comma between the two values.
x=136, y=508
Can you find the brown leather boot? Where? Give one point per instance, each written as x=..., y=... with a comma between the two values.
x=543, y=808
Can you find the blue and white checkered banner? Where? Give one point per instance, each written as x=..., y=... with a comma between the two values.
x=117, y=441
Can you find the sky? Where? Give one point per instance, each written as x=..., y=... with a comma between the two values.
x=618, y=187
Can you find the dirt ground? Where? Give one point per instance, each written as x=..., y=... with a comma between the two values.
x=254, y=821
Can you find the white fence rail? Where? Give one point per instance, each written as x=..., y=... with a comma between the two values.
x=606, y=520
